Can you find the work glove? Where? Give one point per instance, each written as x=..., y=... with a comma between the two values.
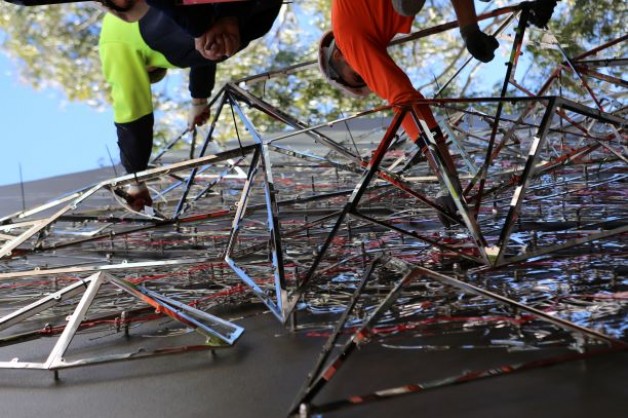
x=479, y=44
x=138, y=196
x=541, y=12
x=199, y=113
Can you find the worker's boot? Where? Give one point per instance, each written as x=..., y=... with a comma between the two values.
x=408, y=7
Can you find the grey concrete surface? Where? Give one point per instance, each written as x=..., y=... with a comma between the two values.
x=261, y=376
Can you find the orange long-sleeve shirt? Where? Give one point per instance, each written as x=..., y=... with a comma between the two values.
x=363, y=29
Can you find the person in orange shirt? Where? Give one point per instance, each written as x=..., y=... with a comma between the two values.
x=353, y=57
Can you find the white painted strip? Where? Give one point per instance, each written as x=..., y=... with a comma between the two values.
x=515, y=196
x=535, y=145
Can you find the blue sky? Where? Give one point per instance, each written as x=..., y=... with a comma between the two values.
x=46, y=135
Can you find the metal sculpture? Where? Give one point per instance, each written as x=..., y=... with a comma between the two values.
x=315, y=218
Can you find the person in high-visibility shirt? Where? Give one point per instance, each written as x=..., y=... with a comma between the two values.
x=353, y=56
x=136, y=48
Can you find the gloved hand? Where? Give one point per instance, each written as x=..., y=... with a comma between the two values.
x=199, y=113
x=138, y=196
x=541, y=12
x=479, y=44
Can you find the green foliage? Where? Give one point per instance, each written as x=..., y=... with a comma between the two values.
x=577, y=26
x=56, y=46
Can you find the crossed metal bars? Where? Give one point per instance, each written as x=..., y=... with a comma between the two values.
x=282, y=299
x=285, y=299
x=204, y=323
x=493, y=255
x=327, y=367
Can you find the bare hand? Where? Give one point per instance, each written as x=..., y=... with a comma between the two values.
x=221, y=40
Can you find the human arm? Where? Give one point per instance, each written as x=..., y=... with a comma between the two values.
x=388, y=81
x=465, y=12
x=194, y=19
x=258, y=21
x=135, y=141
x=202, y=80
x=479, y=44
x=131, y=97
x=369, y=57
x=125, y=72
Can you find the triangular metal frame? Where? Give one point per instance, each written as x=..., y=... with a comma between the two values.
x=261, y=161
x=204, y=323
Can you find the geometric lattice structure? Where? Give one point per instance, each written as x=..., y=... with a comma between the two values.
x=193, y=318
x=338, y=220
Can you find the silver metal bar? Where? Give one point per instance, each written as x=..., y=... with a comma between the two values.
x=272, y=212
x=497, y=251
x=42, y=304
x=206, y=323
x=11, y=245
x=56, y=355
x=106, y=267
x=540, y=314
x=453, y=186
